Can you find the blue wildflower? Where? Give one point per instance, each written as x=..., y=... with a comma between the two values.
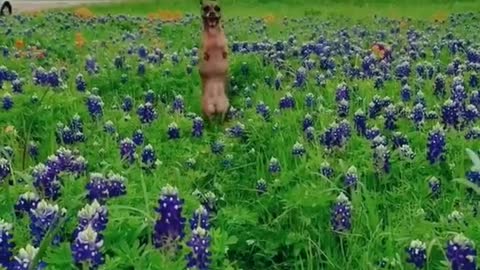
x=169, y=226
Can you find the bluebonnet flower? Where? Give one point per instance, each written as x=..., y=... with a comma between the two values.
x=150, y=97
x=169, y=226
x=178, y=105
x=94, y=215
x=435, y=187
x=326, y=170
x=342, y=92
x=374, y=108
x=406, y=152
x=455, y=217
x=418, y=116
x=381, y=158
x=141, y=69
x=24, y=258
x=310, y=134
x=197, y=127
x=227, y=161
x=26, y=202
x=287, y=101
x=420, y=99
x=378, y=83
x=402, y=70
x=248, y=102
x=137, y=137
x=475, y=99
x=261, y=186
x=148, y=157
x=278, y=81
x=360, y=122
x=200, y=219
x=119, y=62
x=351, y=177
x=417, y=254
x=341, y=214
x=190, y=163
x=236, y=131
x=99, y=188
x=298, y=150
x=46, y=181
x=146, y=113
x=6, y=244
x=95, y=106
x=5, y=170
x=461, y=253
x=7, y=102
x=199, y=257
x=307, y=121
x=43, y=218
x=310, y=101
x=80, y=83
x=32, y=149
x=470, y=115
x=439, y=85
x=209, y=201
x=17, y=86
x=263, y=110
x=173, y=131
x=127, y=150
x=450, y=114
x=473, y=175
x=399, y=139
x=390, y=117
x=109, y=127
x=300, y=77
x=473, y=133
x=342, y=108
x=115, y=185
x=86, y=248
x=217, y=147
x=142, y=51
x=91, y=65
x=459, y=95
x=406, y=93
x=431, y=115
x=274, y=166
x=474, y=81
x=127, y=104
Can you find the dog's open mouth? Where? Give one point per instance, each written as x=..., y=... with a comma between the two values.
x=211, y=21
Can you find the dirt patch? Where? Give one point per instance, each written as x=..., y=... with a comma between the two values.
x=29, y=6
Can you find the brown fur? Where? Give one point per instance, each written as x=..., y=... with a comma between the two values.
x=213, y=65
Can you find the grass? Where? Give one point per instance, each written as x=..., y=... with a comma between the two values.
x=289, y=226
x=321, y=8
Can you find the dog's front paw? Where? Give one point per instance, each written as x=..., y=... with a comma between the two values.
x=206, y=56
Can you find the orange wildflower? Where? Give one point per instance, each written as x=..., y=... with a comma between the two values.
x=440, y=16
x=19, y=44
x=269, y=19
x=79, y=40
x=83, y=13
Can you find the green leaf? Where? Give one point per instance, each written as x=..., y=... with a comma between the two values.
x=468, y=184
x=474, y=158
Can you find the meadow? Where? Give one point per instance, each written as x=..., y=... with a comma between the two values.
x=351, y=142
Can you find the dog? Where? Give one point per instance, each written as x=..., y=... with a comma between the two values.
x=213, y=66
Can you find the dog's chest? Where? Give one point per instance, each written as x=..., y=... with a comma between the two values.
x=214, y=42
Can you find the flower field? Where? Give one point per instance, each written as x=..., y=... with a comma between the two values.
x=347, y=145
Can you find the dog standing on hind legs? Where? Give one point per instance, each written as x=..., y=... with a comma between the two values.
x=213, y=67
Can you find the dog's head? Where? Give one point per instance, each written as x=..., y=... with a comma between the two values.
x=210, y=13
